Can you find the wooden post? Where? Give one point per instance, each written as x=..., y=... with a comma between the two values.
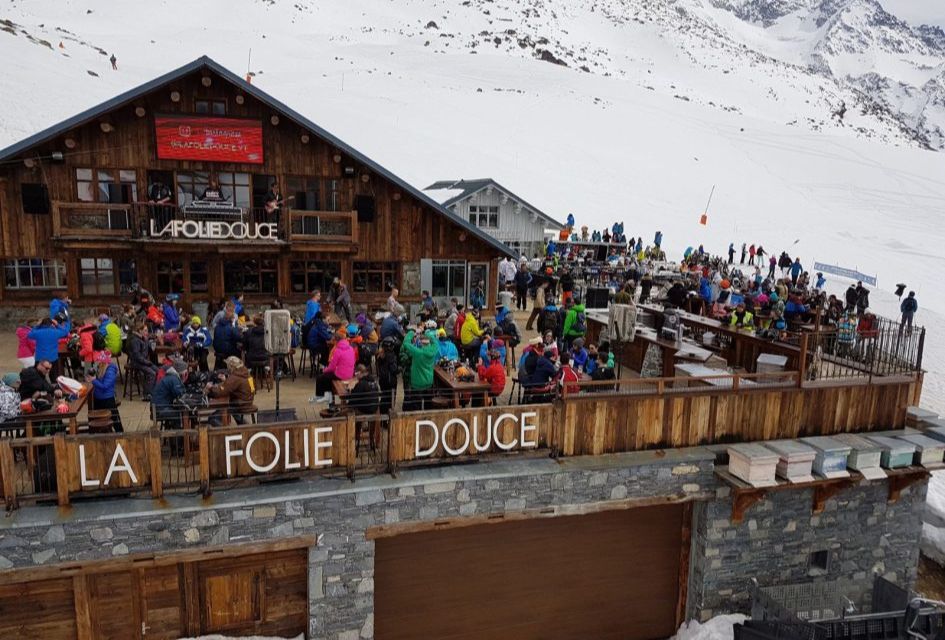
x=62, y=468
x=393, y=442
x=802, y=360
x=154, y=462
x=349, y=435
x=203, y=444
x=7, y=474
x=83, y=615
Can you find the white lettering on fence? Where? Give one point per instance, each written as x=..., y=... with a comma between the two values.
x=527, y=434
x=216, y=230
x=113, y=467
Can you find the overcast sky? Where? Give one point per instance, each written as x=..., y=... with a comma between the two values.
x=917, y=11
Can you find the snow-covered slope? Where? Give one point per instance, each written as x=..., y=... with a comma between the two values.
x=676, y=97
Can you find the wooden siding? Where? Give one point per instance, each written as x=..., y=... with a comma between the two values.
x=513, y=226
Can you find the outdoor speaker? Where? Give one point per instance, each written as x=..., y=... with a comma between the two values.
x=365, y=207
x=278, y=333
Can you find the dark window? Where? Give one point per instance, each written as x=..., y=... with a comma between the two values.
x=35, y=198
x=374, y=277
x=113, y=186
x=210, y=107
x=34, y=273
x=307, y=275
x=819, y=562
x=305, y=191
x=107, y=277
x=199, y=276
x=251, y=276
x=170, y=277
x=485, y=217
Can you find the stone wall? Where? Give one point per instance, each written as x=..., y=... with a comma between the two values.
x=773, y=543
x=863, y=535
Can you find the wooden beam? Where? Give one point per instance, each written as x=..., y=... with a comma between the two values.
x=203, y=440
x=8, y=474
x=742, y=500
x=60, y=452
x=154, y=463
x=83, y=615
x=685, y=550
x=823, y=492
x=900, y=481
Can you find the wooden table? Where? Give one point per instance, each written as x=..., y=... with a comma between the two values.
x=72, y=415
x=457, y=387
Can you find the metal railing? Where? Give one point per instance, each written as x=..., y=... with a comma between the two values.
x=884, y=348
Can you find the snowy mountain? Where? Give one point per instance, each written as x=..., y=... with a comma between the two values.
x=610, y=109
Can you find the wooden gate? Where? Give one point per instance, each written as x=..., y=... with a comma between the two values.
x=615, y=574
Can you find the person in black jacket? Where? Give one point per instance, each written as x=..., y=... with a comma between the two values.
x=254, y=342
x=862, y=298
x=851, y=297
x=388, y=368
x=36, y=379
x=567, y=285
x=139, y=357
x=677, y=295
x=522, y=279
x=226, y=339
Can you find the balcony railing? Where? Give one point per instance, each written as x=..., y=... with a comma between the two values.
x=86, y=220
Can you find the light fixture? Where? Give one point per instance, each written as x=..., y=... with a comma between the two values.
x=397, y=195
x=58, y=157
x=139, y=111
x=274, y=120
x=106, y=127
x=175, y=96
x=206, y=81
x=337, y=158
x=29, y=163
x=304, y=138
x=365, y=177
x=70, y=143
x=349, y=172
x=240, y=99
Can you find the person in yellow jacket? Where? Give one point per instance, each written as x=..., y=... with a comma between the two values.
x=471, y=333
x=742, y=318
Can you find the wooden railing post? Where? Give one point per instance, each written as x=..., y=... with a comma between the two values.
x=802, y=360
x=349, y=436
x=394, y=445
x=62, y=468
x=7, y=474
x=203, y=444
x=154, y=462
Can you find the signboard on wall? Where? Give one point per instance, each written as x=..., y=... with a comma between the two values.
x=208, y=139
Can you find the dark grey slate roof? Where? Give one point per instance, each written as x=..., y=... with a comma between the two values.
x=470, y=187
x=205, y=62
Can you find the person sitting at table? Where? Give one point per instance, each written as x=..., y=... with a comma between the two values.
x=579, y=355
x=25, y=348
x=492, y=343
x=365, y=396
x=254, y=343
x=47, y=336
x=742, y=319
x=166, y=393
x=423, y=357
x=197, y=341
x=111, y=333
x=391, y=326
x=494, y=374
x=87, y=343
x=236, y=389
x=36, y=379
x=448, y=350
x=226, y=338
x=539, y=385
x=567, y=376
x=471, y=335
x=529, y=359
x=318, y=339
x=341, y=363
x=9, y=397
x=171, y=313
x=139, y=358
x=103, y=382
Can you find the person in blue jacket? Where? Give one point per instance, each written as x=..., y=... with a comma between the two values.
x=658, y=239
x=171, y=313
x=103, y=387
x=490, y=343
x=47, y=336
x=705, y=290
x=238, y=305
x=908, y=308
x=318, y=338
x=448, y=350
x=197, y=338
x=821, y=281
x=312, y=307
x=796, y=270
x=226, y=340
x=571, y=220
x=59, y=308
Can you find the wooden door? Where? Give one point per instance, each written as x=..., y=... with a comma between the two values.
x=112, y=602
x=161, y=603
x=605, y=576
x=39, y=610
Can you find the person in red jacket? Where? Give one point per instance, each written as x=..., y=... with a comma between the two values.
x=87, y=343
x=567, y=376
x=494, y=374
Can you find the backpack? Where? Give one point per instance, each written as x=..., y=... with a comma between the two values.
x=549, y=321
x=98, y=341
x=458, y=327
x=580, y=323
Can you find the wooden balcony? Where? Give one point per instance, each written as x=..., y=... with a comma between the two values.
x=325, y=229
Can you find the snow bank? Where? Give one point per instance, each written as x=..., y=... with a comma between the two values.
x=717, y=628
x=933, y=531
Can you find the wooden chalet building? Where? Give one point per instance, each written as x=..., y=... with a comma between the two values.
x=74, y=211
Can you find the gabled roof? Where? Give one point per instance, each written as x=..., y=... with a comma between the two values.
x=456, y=190
x=205, y=62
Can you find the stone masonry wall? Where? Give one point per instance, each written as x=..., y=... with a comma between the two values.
x=341, y=573
x=864, y=535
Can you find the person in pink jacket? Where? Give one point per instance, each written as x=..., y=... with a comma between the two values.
x=340, y=366
x=26, y=348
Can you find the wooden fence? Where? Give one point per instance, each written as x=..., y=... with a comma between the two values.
x=615, y=416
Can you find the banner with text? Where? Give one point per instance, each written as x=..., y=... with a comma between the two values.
x=852, y=274
x=209, y=139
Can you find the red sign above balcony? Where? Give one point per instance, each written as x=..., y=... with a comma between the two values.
x=208, y=139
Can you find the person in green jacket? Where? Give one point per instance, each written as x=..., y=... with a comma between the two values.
x=423, y=356
x=575, y=323
x=112, y=334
